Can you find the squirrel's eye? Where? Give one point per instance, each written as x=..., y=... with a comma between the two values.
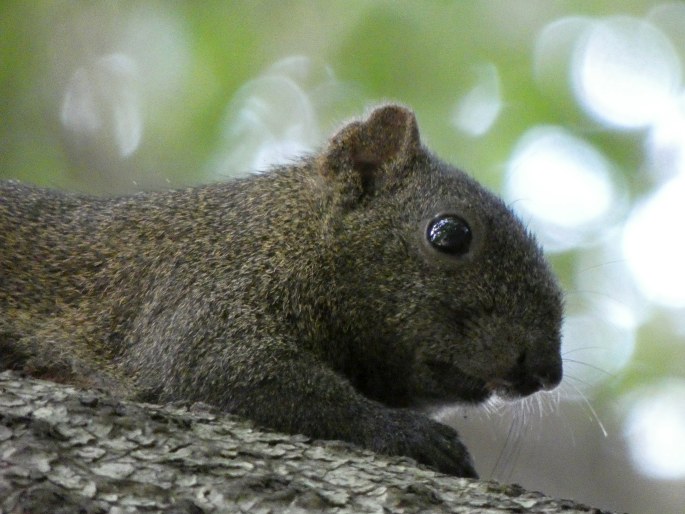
x=449, y=234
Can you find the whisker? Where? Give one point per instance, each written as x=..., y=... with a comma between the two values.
x=601, y=265
x=582, y=382
x=520, y=413
x=547, y=402
x=503, y=452
x=515, y=453
x=591, y=366
x=597, y=294
x=583, y=348
x=590, y=408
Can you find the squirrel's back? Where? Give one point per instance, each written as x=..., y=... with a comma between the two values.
x=42, y=238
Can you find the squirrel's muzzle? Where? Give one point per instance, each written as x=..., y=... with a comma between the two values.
x=529, y=376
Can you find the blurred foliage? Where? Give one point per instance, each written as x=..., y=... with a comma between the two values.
x=421, y=53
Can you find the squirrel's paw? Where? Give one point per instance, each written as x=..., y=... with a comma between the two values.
x=427, y=441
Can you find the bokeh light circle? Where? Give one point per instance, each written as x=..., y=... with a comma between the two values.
x=655, y=248
x=561, y=184
x=655, y=429
x=626, y=72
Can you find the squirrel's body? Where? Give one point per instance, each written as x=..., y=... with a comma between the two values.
x=310, y=298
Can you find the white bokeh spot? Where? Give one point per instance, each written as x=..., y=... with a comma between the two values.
x=561, y=183
x=626, y=72
x=477, y=111
x=655, y=430
x=101, y=104
x=273, y=119
x=655, y=248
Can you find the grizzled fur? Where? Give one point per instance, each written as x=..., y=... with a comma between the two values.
x=307, y=298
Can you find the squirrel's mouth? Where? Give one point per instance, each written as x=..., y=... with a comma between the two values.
x=455, y=386
x=509, y=390
x=459, y=387
x=476, y=394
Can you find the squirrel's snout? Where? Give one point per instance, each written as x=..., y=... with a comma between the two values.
x=551, y=377
x=529, y=376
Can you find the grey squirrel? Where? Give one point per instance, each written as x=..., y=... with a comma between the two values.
x=331, y=297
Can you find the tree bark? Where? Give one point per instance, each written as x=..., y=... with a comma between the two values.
x=66, y=450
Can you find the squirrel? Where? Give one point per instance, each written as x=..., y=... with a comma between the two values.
x=339, y=297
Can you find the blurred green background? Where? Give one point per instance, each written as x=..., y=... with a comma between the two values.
x=573, y=110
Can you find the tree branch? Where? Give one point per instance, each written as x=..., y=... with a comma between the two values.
x=68, y=450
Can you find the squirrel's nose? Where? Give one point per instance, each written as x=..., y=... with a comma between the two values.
x=530, y=375
x=551, y=376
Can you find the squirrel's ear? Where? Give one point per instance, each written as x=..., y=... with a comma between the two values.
x=366, y=156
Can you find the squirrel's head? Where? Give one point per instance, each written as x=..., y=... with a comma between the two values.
x=441, y=291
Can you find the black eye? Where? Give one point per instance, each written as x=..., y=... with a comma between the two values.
x=449, y=234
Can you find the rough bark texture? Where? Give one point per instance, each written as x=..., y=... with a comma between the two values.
x=68, y=450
